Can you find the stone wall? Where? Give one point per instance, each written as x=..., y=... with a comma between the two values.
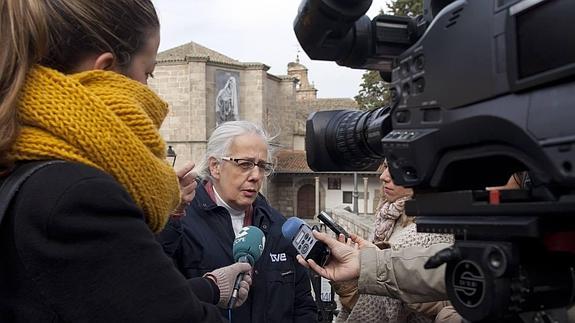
x=186, y=80
x=281, y=191
x=361, y=225
x=185, y=125
x=189, y=88
x=172, y=83
x=280, y=113
x=252, y=89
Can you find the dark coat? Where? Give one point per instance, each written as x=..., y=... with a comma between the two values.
x=202, y=241
x=74, y=247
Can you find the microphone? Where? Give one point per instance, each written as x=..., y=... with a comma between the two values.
x=300, y=235
x=248, y=247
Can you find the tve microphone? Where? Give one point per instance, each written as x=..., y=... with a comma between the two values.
x=248, y=247
x=300, y=235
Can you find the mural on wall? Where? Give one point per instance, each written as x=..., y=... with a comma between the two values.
x=227, y=98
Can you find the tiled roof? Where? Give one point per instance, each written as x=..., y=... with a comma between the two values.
x=192, y=49
x=295, y=162
x=292, y=161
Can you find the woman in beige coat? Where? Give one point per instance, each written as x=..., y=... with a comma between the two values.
x=395, y=230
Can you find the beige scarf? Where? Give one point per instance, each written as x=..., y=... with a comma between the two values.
x=386, y=218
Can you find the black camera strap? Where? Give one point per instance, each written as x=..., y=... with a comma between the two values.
x=12, y=183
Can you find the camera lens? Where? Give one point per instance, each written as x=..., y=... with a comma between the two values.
x=346, y=139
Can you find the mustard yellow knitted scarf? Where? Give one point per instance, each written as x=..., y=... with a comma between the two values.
x=104, y=120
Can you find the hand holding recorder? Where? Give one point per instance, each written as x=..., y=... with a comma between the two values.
x=342, y=235
x=332, y=225
x=300, y=235
x=343, y=262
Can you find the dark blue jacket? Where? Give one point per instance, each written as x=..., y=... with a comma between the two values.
x=202, y=241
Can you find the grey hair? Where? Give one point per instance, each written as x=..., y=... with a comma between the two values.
x=221, y=139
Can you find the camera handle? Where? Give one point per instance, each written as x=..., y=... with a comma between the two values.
x=324, y=298
x=443, y=256
x=324, y=295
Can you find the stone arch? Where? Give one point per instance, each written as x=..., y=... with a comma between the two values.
x=306, y=201
x=307, y=186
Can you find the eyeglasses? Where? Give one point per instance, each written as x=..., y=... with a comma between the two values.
x=249, y=164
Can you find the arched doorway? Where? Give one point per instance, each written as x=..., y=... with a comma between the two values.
x=306, y=202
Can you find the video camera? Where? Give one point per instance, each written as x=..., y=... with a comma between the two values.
x=480, y=89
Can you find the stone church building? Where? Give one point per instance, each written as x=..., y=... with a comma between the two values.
x=205, y=88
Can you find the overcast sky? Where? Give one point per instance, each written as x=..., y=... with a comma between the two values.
x=253, y=31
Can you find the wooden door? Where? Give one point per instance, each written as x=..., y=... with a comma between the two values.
x=306, y=202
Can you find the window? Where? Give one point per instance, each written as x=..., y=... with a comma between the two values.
x=334, y=183
x=347, y=197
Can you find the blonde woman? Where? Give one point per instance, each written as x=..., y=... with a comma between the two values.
x=77, y=242
x=393, y=229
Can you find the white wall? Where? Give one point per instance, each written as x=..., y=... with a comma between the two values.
x=298, y=142
x=334, y=198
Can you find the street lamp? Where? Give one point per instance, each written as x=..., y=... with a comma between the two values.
x=171, y=154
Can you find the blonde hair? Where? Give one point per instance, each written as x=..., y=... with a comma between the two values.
x=404, y=219
x=58, y=34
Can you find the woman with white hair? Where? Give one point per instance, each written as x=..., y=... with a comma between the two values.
x=233, y=170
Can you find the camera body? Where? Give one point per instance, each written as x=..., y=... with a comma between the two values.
x=480, y=89
x=477, y=97
x=498, y=71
